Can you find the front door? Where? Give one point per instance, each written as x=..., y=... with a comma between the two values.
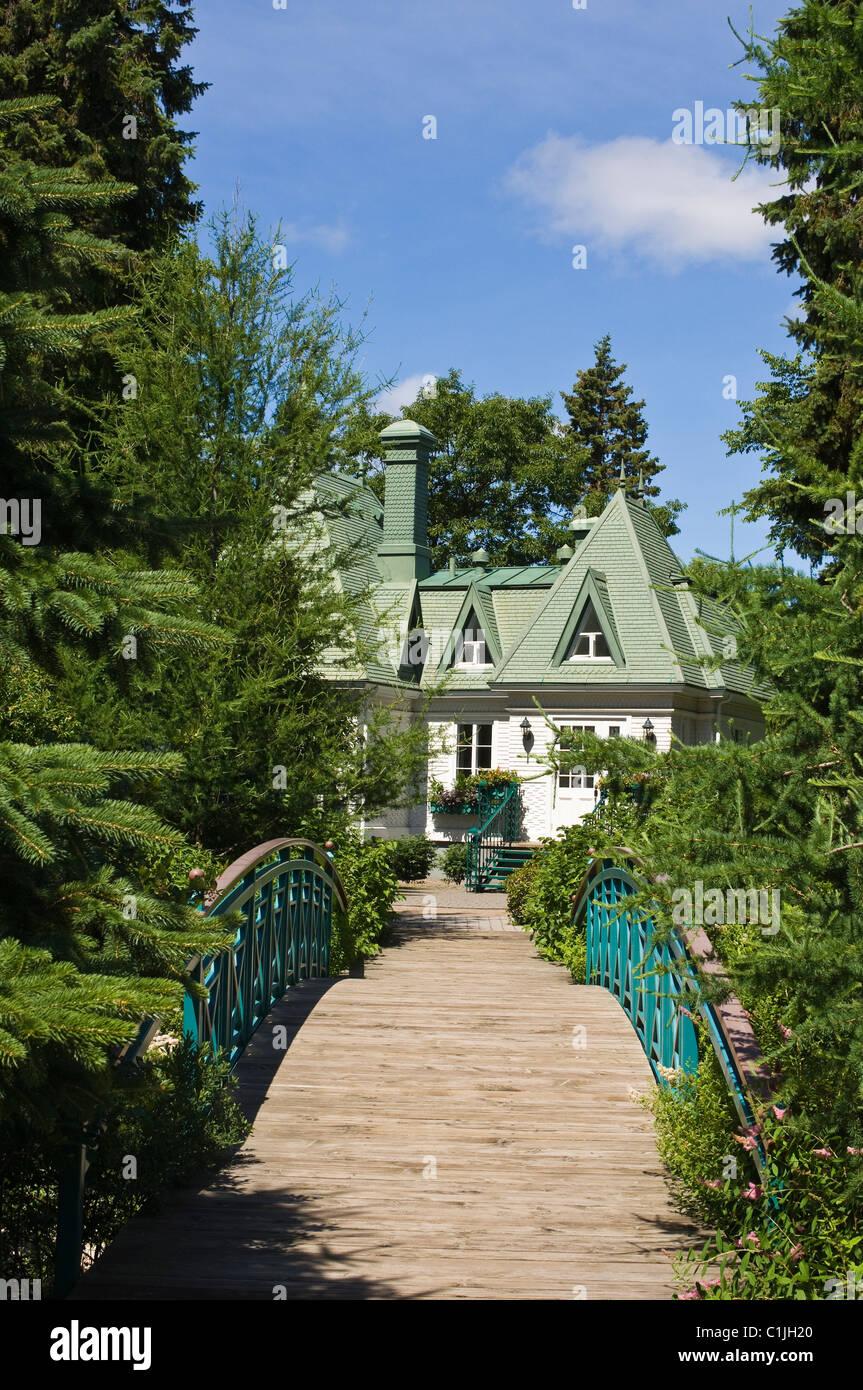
x=573, y=789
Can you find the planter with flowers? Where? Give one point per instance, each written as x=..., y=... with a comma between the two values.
x=463, y=797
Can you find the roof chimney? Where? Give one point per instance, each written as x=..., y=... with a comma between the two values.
x=580, y=528
x=404, y=548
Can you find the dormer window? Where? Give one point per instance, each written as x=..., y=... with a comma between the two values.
x=470, y=645
x=415, y=647
x=589, y=642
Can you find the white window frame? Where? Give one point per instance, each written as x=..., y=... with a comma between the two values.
x=474, y=726
x=575, y=782
x=471, y=648
x=568, y=780
x=591, y=634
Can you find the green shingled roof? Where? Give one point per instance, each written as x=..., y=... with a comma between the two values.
x=624, y=561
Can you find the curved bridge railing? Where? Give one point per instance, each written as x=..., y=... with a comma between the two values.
x=656, y=983
x=287, y=891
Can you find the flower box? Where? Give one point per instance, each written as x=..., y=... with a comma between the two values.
x=439, y=809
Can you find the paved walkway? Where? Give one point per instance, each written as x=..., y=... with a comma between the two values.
x=456, y=1125
x=452, y=908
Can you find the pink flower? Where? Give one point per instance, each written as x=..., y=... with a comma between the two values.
x=709, y=1283
x=713, y=1182
x=756, y=1243
x=796, y=1252
x=780, y=1111
x=750, y=1143
x=753, y=1192
x=693, y=1293
x=823, y=1153
x=786, y=1032
x=855, y=1151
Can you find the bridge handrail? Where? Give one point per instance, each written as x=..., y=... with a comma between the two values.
x=268, y=954
x=731, y=1034
x=244, y=882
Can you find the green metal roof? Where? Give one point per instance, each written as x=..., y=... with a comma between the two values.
x=495, y=577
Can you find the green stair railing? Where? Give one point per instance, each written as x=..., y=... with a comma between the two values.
x=657, y=985
x=499, y=812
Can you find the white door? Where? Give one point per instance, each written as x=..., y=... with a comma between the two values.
x=573, y=789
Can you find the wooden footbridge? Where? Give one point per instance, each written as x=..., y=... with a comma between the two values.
x=458, y=1123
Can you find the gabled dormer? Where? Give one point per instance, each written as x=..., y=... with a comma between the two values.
x=590, y=635
x=472, y=645
x=415, y=646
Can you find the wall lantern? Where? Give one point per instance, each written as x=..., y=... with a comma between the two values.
x=526, y=735
x=649, y=735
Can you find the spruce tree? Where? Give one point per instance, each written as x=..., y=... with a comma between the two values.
x=607, y=432
x=86, y=951
x=114, y=66
x=810, y=73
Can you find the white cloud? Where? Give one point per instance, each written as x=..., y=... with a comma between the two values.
x=674, y=205
x=331, y=238
x=402, y=393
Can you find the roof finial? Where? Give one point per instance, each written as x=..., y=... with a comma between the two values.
x=621, y=478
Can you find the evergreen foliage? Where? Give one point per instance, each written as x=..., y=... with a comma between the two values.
x=86, y=954
x=105, y=61
x=244, y=389
x=607, y=433
x=805, y=424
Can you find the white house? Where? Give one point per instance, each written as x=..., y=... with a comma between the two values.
x=607, y=636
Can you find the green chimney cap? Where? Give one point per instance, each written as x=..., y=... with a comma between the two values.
x=565, y=552
x=480, y=557
x=404, y=433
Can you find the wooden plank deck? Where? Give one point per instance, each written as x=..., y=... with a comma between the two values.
x=431, y=1133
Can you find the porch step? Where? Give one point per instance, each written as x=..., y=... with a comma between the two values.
x=506, y=860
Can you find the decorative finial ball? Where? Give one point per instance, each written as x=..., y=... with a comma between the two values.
x=196, y=875
x=330, y=844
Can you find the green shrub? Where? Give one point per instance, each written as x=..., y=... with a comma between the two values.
x=371, y=887
x=411, y=857
x=540, y=896
x=454, y=863
x=175, y=1114
x=518, y=889
x=801, y=1239
x=694, y=1126
x=166, y=875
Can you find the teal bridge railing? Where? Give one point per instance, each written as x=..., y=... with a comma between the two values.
x=287, y=891
x=499, y=813
x=656, y=982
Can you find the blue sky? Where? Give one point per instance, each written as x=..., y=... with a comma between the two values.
x=553, y=129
